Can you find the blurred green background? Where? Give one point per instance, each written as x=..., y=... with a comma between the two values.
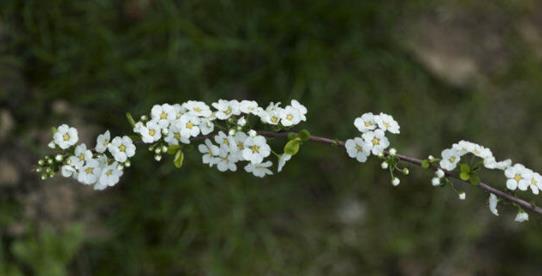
x=446, y=70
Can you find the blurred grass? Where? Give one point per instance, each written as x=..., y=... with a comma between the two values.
x=341, y=59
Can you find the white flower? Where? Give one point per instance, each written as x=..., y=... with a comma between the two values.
x=252, y=133
x=226, y=161
x=103, y=141
x=435, y=181
x=301, y=108
x=239, y=139
x=450, y=158
x=377, y=141
x=439, y=173
x=163, y=114
x=138, y=127
x=515, y=175
x=290, y=116
x=242, y=121
x=109, y=177
x=206, y=126
x=179, y=110
x=51, y=145
x=197, y=108
x=209, y=152
x=122, y=148
x=256, y=149
x=89, y=173
x=259, y=169
x=386, y=122
x=81, y=155
x=272, y=114
x=521, y=217
x=493, y=200
x=65, y=136
x=365, y=123
x=248, y=107
x=68, y=171
x=357, y=148
x=226, y=109
x=282, y=161
x=225, y=142
x=189, y=125
x=533, y=181
x=462, y=196
x=492, y=164
x=174, y=136
x=151, y=132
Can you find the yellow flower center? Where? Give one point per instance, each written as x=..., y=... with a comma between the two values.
x=197, y=109
x=452, y=159
x=189, y=125
x=82, y=157
x=152, y=132
x=177, y=135
x=289, y=117
x=240, y=146
x=122, y=148
x=359, y=148
x=368, y=124
x=518, y=177
x=66, y=137
x=375, y=141
x=386, y=125
x=89, y=170
x=274, y=119
x=228, y=110
x=255, y=149
x=163, y=115
x=109, y=173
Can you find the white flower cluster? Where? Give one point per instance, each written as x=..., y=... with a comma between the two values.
x=172, y=125
x=101, y=166
x=452, y=156
x=518, y=176
x=373, y=138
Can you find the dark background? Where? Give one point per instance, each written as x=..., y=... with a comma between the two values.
x=446, y=70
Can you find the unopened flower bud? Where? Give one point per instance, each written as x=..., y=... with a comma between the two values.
x=431, y=158
x=41, y=162
x=393, y=151
x=144, y=118
x=406, y=171
x=395, y=181
x=440, y=173
x=158, y=150
x=164, y=149
x=158, y=157
x=384, y=165
x=462, y=196
x=435, y=181
x=59, y=158
x=127, y=164
x=231, y=132
x=165, y=131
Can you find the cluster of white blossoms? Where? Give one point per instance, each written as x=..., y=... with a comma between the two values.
x=373, y=139
x=175, y=124
x=101, y=166
x=518, y=176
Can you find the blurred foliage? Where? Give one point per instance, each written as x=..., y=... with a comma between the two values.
x=324, y=214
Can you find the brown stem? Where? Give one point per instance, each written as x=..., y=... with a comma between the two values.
x=417, y=162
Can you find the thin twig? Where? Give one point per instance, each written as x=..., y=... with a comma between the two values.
x=418, y=162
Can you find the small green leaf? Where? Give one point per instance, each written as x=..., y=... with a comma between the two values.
x=130, y=119
x=304, y=135
x=464, y=167
x=179, y=158
x=292, y=147
x=474, y=180
x=292, y=136
x=426, y=164
x=172, y=149
x=465, y=176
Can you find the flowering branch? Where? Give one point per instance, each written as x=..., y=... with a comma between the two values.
x=232, y=128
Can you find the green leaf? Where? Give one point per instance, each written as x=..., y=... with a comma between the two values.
x=465, y=176
x=130, y=119
x=292, y=147
x=292, y=136
x=179, y=158
x=426, y=164
x=464, y=167
x=172, y=149
x=474, y=180
x=304, y=135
